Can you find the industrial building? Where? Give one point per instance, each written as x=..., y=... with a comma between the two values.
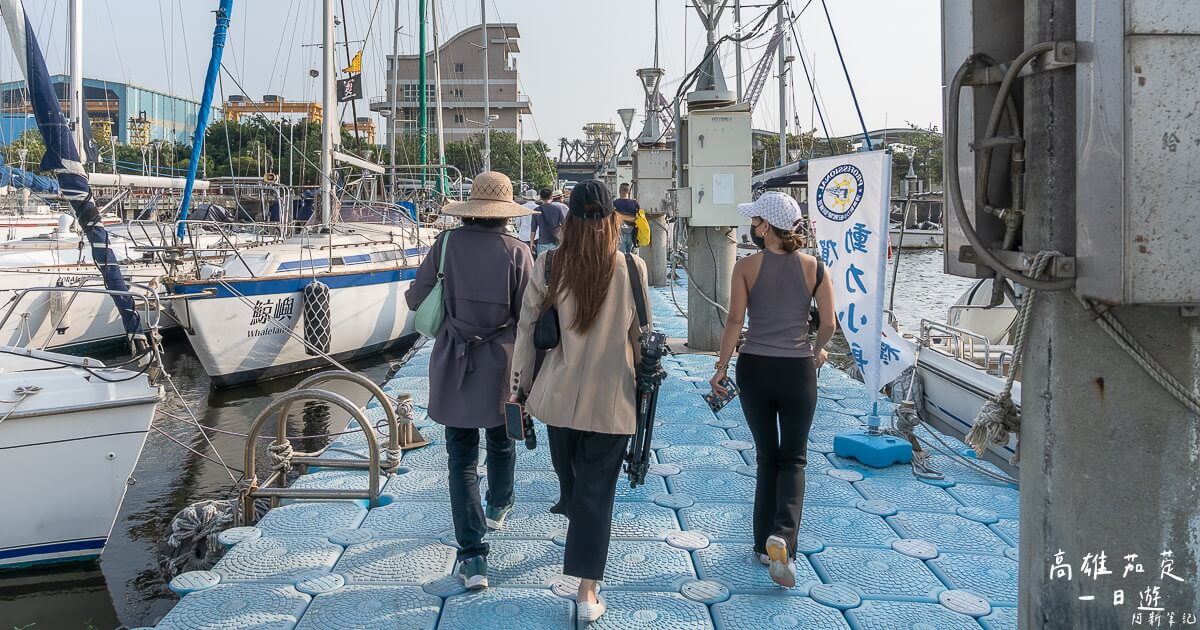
x=461, y=61
x=133, y=114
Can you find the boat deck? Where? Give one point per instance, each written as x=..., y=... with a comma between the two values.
x=881, y=549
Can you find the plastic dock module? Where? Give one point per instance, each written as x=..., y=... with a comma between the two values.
x=877, y=548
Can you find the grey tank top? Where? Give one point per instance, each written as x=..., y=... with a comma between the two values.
x=778, y=309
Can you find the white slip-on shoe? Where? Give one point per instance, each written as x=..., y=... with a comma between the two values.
x=764, y=559
x=782, y=569
x=588, y=612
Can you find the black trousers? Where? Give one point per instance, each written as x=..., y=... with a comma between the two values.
x=779, y=397
x=463, y=447
x=587, y=465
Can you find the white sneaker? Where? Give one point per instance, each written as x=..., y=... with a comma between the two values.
x=588, y=612
x=782, y=570
x=764, y=559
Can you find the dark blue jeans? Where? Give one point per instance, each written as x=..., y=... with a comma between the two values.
x=463, y=447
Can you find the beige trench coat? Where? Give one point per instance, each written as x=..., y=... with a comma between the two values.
x=587, y=382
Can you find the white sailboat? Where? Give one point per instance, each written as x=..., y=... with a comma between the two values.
x=335, y=290
x=71, y=432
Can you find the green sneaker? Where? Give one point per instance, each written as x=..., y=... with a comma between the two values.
x=473, y=573
x=495, y=516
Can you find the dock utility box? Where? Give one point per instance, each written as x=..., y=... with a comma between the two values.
x=719, y=156
x=1138, y=127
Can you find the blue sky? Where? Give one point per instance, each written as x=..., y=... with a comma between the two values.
x=577, y=62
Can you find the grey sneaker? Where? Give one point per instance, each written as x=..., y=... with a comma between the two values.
x=495, y=516
x=473, y=572
x=782, y=569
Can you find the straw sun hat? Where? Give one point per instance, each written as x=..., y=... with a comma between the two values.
x=491, y=198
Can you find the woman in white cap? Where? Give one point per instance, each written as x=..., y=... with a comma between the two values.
x=776, y=369
x=485, y=272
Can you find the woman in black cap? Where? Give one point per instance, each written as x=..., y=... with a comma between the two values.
x=585, y=389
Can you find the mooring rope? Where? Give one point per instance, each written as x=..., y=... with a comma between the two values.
x=1000, y=416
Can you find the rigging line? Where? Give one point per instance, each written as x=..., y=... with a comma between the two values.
x=837, y=46
x=187, y=58
x=811, y=89
x=195, y=421
x=228, y=469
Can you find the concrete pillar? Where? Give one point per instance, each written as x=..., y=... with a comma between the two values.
x=1109, y=460
x=710, y=268
x=655, y=255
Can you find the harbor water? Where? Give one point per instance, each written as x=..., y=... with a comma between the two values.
x=128, y=586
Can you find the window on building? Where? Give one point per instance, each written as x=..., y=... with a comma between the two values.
x=458, y=93
x=459, y=119
x=410, y=92
x=458, y=67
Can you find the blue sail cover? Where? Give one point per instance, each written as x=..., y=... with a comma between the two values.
x=17, y=178
x=224, y=11
x=62, y=157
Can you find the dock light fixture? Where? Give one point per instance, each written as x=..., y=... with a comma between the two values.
x=650, y=78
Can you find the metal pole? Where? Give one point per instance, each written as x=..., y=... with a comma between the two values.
x=437, y=94
x=423, y=97
x=349, y=59
x=76, y=95
x=783, y=111
x=737, y=20
x=394, y=92
x=521, y=148
x=900, y=245
x=487, y=102
x=329, y=123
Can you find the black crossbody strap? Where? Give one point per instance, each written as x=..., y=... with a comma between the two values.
x=820, y=275
x=639, y=298
x=548, y=260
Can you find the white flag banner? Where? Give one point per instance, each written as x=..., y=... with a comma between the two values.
x=849, y=207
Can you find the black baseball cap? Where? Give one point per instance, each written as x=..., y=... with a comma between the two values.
x=591, y=200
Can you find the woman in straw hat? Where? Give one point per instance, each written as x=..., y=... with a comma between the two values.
x=484, y=276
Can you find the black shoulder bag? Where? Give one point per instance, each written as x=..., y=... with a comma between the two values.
x=546, y=334
x=814, y=313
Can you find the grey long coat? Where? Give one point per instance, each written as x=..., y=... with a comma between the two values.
x=485, y=276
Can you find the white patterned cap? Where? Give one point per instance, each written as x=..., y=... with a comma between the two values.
x=776, y=208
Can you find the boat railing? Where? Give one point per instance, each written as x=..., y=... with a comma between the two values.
x=964, y=345
x=284, y=457
x=146, y=302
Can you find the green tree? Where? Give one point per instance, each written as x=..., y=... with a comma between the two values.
x=30, y=140
x=467, y=155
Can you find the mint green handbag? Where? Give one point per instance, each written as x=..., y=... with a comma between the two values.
x=432, y=311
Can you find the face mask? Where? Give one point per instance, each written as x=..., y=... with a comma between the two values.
x=759, y=241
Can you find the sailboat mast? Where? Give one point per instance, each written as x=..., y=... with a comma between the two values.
x=329, y=113
x=394, y=91
x=423, y=96
x=76, y=72
x=487, y=103
x=437, y=81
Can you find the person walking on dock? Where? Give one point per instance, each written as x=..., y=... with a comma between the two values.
x=484, y=275
x=547, y=223
x=524, y=224
x=777, y=369
x=627, y=208
x=585, y=390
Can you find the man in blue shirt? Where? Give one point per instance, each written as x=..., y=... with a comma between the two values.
x=544, y=228
x=628, y=209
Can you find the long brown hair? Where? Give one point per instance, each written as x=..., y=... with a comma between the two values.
x=583, y=266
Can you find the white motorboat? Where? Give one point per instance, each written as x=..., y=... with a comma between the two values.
x=246, y=318
x=917, y=237
x=71, y=431
x=963, y=364
x=38, y=220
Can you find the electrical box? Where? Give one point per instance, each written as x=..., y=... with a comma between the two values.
x=1138, y=150
x=653, y=178
x=719, y=154
x=993, y=27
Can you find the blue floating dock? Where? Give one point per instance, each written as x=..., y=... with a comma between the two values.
x=681, y=556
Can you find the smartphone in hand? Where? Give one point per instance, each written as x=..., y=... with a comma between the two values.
x=514, y=420
x=717, y=402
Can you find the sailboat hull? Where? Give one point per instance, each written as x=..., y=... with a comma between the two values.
x=66, y=453
x=253, y=329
